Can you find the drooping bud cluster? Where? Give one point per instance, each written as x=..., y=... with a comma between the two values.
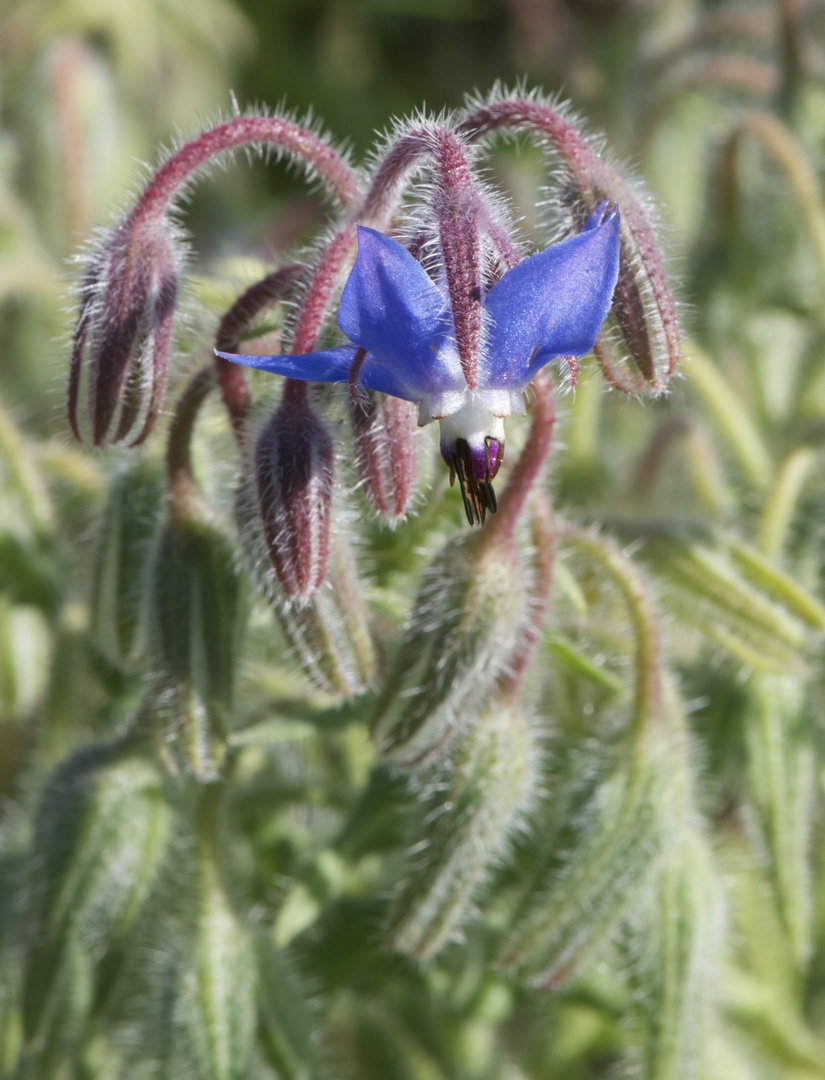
x=456, y=323
x=444, y=318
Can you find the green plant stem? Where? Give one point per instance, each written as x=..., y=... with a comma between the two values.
x=183, y=489
x=782, y=500
x=24, y=476
x=649, y=688
x=729, y=415
x=794, y=161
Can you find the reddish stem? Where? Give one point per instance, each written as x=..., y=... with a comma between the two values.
x=296, y=392
x=457, y=208
x=390, y=176
x=542, y=559
x=285, y=135
x=235, y=323
x=327, y=274
x=528, y=468
x=183, y=490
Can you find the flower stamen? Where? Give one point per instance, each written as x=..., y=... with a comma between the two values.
x=476, y=484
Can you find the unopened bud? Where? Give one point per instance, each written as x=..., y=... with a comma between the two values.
x=124, y=561
x=329, y=635
x=287, y=1039
x=385, y=451
x=640, y=344
x=677, y=943
x=200, y=611
x=559, y=926
x=465, y=626
x=212, y=1033
x=294, y=467
x=781, y=776
x=122, y=342
x=472, y=804
x=102, y=833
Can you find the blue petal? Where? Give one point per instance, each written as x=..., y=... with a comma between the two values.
x=552, y=304
x=392, y=308
x=331, y=366
x=597, y=216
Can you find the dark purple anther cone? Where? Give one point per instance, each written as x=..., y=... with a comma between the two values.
x=476, y=467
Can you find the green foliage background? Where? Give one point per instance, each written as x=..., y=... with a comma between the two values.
x=150, y=926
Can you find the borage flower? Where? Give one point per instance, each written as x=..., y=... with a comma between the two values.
x=400, y=324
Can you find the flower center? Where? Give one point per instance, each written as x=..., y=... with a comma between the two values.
x=472, y=444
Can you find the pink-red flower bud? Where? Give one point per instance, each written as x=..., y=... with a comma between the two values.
x=122, y=341
x=294, y=467
x=385, y=451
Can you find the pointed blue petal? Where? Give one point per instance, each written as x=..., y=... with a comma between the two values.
x=392, y=308
x=330, y=366
x=552, y=304
x=597, y=216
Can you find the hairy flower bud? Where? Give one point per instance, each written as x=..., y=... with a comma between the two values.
x=329, y=635
x=781, y=775
x=199, y=610
x=213, y=1017
x=561, y=923
x=466, y=623
x=123, y=337
x=102, y=831
x=385, y=451
x=469, y=810
x=294, y=466
x=677, y=948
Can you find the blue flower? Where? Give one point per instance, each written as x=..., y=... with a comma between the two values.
x=401, y=328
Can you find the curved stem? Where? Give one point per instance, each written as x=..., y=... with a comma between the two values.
x=649, y=691
x=183, y=490
x=390, y=176
x=782, y=500
x=643, y=304
x=542, y=560
x=528, y=468
x=730, y=416
x=325, y=278
x=231, y=377
x=272, y=131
